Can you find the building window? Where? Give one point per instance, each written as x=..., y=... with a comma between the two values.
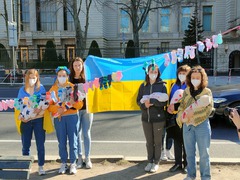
x=125, y=22
x=186, y=16
x=25, y=20
x=164, y=47
x=165, y=20
x=41, y=52
x=145, y=27
x=123, y=46
x=207, y=18
x=68, y=19
x=46, y=16
x=144, y=47
x=24, y=54
x=70, y=55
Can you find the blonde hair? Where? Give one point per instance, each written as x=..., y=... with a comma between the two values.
x=27, y=77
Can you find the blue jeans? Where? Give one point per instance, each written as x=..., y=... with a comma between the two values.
x=169, y=141
x=67, y=127
x=200, y=135
x=85, y=125
x=27, y=130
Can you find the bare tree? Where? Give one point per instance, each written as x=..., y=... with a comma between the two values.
x=5, y=16
x=75, y=7
x=138, y=11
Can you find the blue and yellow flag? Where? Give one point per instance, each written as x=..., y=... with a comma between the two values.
x=121, y=96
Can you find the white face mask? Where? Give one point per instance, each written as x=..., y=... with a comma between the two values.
x=32, y=81
x=182, y=77
x=153, y=76
x=195, y=82
x=62, y=80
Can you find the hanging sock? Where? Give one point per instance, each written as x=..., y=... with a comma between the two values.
x=208, y=44
x=109, y=77
x=192, y=52
x=214, y=41
x=180, y=55
x=86, y=87
x=219, y=38
x=174, y=56
x=167, y=59
x=91, y=85
x=187, y=52
x=96, y=83
x=201, y=46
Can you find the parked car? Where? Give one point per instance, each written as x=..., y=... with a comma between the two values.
x=223, y=99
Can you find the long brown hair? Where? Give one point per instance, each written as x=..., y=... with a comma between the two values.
x=28, y=73
x=204, y=82
x=72, y=72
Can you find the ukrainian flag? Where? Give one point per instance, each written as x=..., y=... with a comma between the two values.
x=121, y=96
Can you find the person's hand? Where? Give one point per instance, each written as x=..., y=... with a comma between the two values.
x=37, y=111
x=234, y=116
x=190, y=113
x=72, y=101
x=61, y=110
x=22, y=119
x=170, y=108
x=147, y=104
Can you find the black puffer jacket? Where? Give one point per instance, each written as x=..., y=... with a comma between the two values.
x=155, y=113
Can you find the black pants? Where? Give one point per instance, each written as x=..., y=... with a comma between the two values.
x=179, y=150
x=153, y=134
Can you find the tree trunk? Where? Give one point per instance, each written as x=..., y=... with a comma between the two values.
x=6, y=19
x=80, y=48
x=136, y=43
x=135, y=28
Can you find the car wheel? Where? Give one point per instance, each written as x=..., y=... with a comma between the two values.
x=229, y=121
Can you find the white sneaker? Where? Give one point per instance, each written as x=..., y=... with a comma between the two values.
x=163, y=156
x=148, y=167
x=63, y=168
x=79, y=162
x=154, y=168
x=169, y=155
x=88, y=163
x=41, y=171
x=73, y=169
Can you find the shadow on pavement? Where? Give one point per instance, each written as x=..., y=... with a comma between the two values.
x=134, y=172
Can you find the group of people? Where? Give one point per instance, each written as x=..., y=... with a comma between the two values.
x=193, y=129
x=70, y=124
x=75, y=122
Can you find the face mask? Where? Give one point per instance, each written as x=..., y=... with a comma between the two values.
x=195, y=82
x=32, y=81
x=182, y=77
x=153, y=76
x=62, y=80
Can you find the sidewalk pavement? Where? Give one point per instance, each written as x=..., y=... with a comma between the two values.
x=109, y=168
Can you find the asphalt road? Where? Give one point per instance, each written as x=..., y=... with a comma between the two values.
x=116, y=134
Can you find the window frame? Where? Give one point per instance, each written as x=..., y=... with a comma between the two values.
x=165, y=15
x=187, y=15
x=207, y=14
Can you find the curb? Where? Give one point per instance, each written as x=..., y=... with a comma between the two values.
x=140, y=159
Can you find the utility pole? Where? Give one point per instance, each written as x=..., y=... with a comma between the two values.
x=196, y=29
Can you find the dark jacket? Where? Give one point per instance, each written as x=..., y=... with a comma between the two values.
x=155, y=113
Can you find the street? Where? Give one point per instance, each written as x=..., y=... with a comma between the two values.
x=115, y=134
x=118, y=134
